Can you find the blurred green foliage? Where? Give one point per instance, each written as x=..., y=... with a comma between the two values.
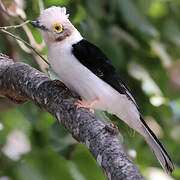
x=142, y=39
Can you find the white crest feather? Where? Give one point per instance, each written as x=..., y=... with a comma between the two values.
x=52, y=15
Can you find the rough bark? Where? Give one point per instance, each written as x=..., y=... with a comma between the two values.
x=20, y=82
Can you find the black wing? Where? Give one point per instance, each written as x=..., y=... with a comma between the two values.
x=94, y=59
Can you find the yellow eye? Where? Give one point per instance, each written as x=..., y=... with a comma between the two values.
x=58, y=27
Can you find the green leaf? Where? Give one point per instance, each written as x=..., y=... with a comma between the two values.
x=56, y=2
x=86, y=164
x=135, y=19
x=61, y=141
x=158, y=9
x=80, y=15
x=171, y=31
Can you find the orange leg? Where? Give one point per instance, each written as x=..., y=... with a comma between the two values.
x=88, y=106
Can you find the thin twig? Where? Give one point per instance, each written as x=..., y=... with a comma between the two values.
x=18, y=38
x=31, y=39
x=15, y=26
x=32, y=43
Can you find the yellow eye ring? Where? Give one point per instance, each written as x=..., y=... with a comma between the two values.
x=58, y=27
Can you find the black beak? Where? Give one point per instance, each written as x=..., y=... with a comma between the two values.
x=35, y=23
x=38, y=25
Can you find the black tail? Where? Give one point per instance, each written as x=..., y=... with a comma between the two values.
x=158, y=149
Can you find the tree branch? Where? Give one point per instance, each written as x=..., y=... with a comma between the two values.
x=20, y=82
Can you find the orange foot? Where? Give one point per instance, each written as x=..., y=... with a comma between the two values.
x=88, y=106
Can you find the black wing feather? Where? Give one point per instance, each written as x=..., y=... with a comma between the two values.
x=97, y=62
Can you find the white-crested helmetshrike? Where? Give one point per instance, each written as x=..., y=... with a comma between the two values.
x=85, y=69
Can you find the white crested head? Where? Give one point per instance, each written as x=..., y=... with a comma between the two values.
x=55, y=25
x=53, y=15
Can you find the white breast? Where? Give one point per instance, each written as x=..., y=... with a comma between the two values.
x=86, y=84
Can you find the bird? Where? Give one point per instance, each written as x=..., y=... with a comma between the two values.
x=87, y=71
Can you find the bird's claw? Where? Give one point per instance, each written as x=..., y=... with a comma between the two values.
x=79, y=103
x=88, y=106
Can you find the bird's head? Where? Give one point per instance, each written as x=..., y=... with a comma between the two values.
x=54, y=24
